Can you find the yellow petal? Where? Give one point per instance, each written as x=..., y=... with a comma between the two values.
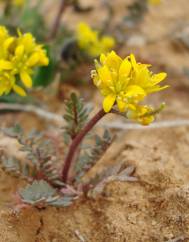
x=43, y=60
x=20, y=91
x=83, y=27
x=19, y=51
x=18, y=3
x=158, y=78
x=5, y=65
x=154, y=2
x=3, y=32
x=121, y=106
x=26, y=79
x=113, y=61
x=135, y=92
x=108, y=42
x=133, y=61
x=29, y=42
x=8, y=42
x=132, y=107
x=104, y=74
x=32, y=61
x=156, y=88
x=108, y=102
x=146, y=120
x=86, y=37
x=125, y=68
x=103, y=59
x=142, y=77
x=105, y=91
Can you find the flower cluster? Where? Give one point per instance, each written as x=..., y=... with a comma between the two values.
x=91, y=42
x=18, y=56
x=126, y=83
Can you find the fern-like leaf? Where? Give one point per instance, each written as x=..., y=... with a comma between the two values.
x=117, y=172
x=40, y=158
x=76, y=116
x=89, y=158
x=41, y=194
x=15, y=167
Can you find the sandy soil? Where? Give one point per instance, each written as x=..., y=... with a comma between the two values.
x=156, y=207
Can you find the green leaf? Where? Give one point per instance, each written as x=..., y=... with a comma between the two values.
x=15, y=98
x=41, y=194
x=76, y=115
x=31, y=19
x=14, y=131
x=11, y=165
x=40, y=157
x=88, y=159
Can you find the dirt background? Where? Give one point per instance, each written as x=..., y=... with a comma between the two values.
x=156, y=207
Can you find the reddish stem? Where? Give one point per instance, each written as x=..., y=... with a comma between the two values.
x=57, y=21
x=77, y=140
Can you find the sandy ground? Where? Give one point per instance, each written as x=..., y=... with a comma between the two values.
x=156, y=207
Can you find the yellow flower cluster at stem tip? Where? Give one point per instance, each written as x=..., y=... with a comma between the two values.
x=19, y=55
x=91, y=42
x=126, y=83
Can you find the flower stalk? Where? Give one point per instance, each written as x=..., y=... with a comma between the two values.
x=76, y=142
x=123, y=83
x=57, y=21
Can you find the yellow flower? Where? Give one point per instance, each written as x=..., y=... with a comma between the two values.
x=27, y=55
x=91, y=42
x=18, y=56
x=126, y=83
x=142, y=114
x=3, y=37
x=18, y=2
x=154, y=2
